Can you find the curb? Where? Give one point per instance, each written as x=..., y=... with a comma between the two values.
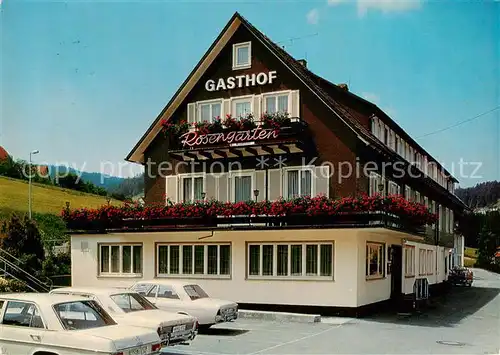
x=279, y=316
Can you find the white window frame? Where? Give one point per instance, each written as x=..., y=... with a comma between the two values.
x=429, y=268
x=289, y=244
x=409, y=251
x=422, y=262
x=120, y=260
x=378, y=245
x=235, y=51
x=235, y=100
x=310, y=168
x=209, y=102
x=192, y=275
x=275, y=94
x=394, y=186
x=239, y=173
x=191, y=176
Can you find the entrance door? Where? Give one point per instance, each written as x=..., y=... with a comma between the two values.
x=397, y=271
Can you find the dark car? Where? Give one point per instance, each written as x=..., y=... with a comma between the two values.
x=461, y=276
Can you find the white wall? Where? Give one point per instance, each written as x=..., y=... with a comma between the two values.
x=339, y=292
x=350, y=287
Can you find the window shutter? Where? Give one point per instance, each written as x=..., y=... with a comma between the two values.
x=226, y=108
x=222, y=183
x=257, y=112
x=260, y=184
x=322, y=180
x=295, y=104
x=172, y=188
x=210, y=187
x=275, y=188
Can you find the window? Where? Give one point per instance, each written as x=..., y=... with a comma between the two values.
x=276, y=103
x=299, y=182
x=198, y=259
x=192, y=188
x=430, y=262
x=375, y=181
x=393, y=188
x=409, y=260
x=195, y=292
x=422, y=261
x=242, y=187
x=208, y=111
x=242, y=53
x=131, y=302
x=375, y=256
x=82, y=315
x=22, y=314
x=166, y=291
x=121, y=259
x=297, y=260
x=242, y=107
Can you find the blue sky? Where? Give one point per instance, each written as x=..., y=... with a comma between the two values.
x=82, y=80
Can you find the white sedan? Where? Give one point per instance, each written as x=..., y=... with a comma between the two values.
x=187, y=297
x=34, y=323
x=128, y=307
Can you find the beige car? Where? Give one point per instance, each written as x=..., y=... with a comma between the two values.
x=188, y=297
x=34, y=323
x=130, y=308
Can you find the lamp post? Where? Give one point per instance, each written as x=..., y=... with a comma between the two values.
x=256, y=194
x=108, y=199
x=203, y=195
x=33, y=152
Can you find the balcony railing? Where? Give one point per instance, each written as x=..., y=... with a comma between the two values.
x=292, y=221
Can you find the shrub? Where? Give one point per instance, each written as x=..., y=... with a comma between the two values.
x=9, y=285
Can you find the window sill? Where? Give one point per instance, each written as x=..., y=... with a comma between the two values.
x=245, y=66
x=289, y=278
x=121, y=276
x=194, y=276
x=374, y=278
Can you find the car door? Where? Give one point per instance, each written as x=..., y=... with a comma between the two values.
x=22, y=328
x=168, y=298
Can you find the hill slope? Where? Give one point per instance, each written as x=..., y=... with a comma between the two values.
x=486, y=194
x=45, y=199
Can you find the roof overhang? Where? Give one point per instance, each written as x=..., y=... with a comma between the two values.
x=137, y=153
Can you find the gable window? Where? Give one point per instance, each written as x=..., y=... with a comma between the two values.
x=192, y=188
x=208, y=111
x=242, y=54
x=276, y=103
x=298, y=182
x=242, y=107
x=375, y=260
x=120, y=259
x=297, y=260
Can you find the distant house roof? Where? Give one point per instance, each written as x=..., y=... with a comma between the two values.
x=3, y=154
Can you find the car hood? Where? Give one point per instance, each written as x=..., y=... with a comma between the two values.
x=155, y=318
x=124, y=336
x=214, y=302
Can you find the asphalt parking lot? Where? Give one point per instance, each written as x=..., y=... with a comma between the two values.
x=466, y=321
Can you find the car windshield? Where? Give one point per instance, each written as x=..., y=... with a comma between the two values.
x=132, y=302
x=195, y=292
x=82, y=315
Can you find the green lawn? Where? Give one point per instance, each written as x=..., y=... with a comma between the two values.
x=45, y=198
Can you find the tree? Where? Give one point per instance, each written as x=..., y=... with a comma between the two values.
x=22, y=240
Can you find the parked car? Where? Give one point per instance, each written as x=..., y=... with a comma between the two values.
x=35, y=323
x=188, y=297
x=129, y=307
x=461, y=276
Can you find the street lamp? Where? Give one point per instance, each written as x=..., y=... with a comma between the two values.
x=256, y=194
x=33, y=152
x=108, y=198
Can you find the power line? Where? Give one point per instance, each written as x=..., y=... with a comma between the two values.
x=460, y=123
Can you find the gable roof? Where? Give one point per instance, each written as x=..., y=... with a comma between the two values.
x=308, y=78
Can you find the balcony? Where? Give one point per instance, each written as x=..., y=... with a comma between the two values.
x=392, y=212
x=244, y=138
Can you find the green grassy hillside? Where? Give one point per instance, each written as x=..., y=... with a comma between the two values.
x=45, y=199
